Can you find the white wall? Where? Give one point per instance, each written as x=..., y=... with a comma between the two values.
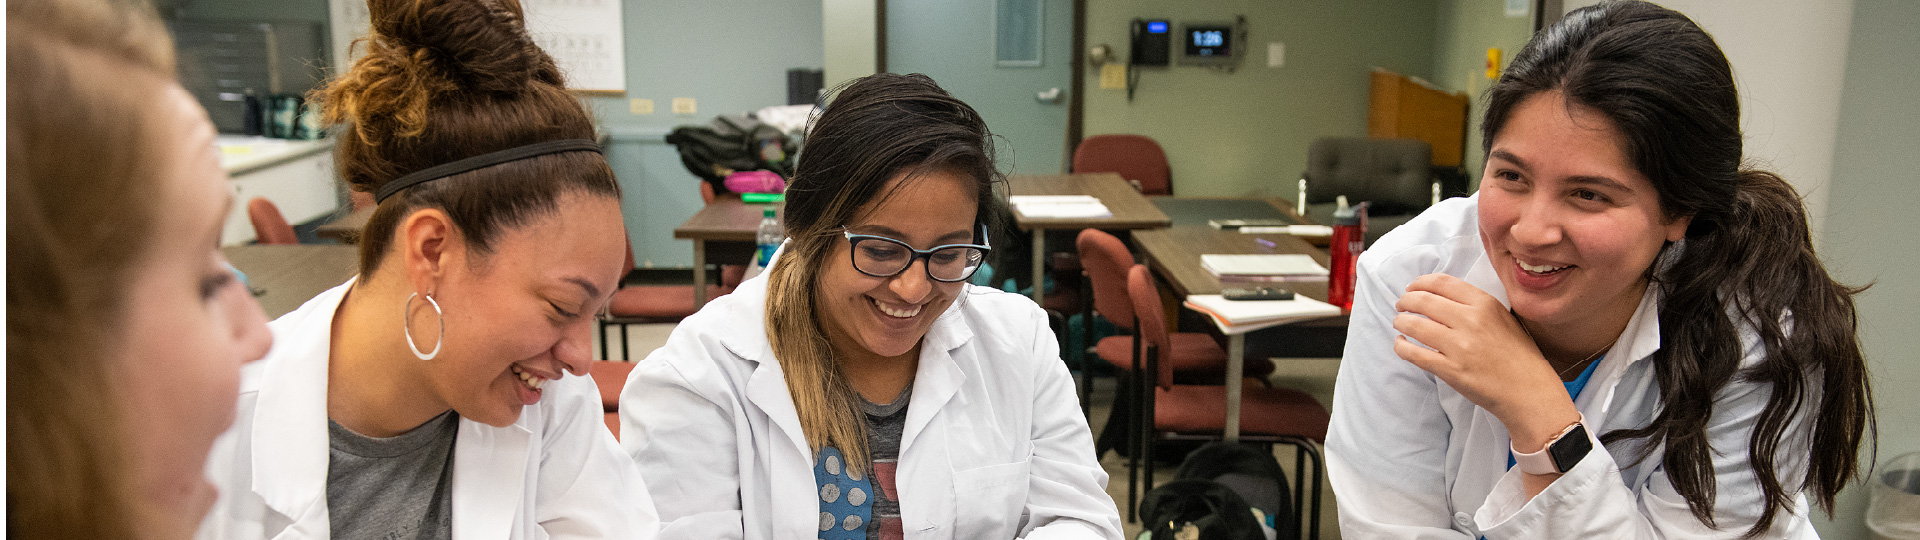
x=851, y=30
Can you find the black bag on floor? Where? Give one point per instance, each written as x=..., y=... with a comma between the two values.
x=1247, y=471
x=1191, y=509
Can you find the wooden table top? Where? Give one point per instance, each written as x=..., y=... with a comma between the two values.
x=291, y=275
x=347, y=228
x=1175, y=252
x=1131, y=210
x=727, y=219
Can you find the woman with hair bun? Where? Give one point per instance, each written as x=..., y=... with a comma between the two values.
x=1624, y=334
x=442, y=393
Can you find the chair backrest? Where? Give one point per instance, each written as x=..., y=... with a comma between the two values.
x=1153, y=322
x=1106, y=261
x=1396, y=175
x=1134, y=157
x=706, y=193
x=361, y=199
x=268, y=225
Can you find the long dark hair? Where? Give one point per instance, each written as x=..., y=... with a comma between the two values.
x=1747, y=259
x=449, y=79
x=876, y=128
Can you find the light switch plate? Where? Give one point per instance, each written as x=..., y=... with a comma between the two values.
x=1113, y=76
x=640, y=106
x=1276, y=54
x=684, y=105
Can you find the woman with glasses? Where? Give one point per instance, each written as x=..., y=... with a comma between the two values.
x=860, y=388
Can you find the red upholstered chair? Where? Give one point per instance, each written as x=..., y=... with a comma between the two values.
x=610, y=376
x=1134, y=157
x=706, y=193
x=656, y=303
x=1194, y=355
x=1180, y=411
x=269, y=227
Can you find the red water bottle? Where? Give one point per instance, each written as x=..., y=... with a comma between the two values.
x=1349, y=239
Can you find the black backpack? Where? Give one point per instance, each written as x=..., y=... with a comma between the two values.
x=730, y=144
x=1192, y=509
x=1247, y=472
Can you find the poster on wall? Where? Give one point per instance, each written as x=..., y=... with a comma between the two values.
x=583, y=36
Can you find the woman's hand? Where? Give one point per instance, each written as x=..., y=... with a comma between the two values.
x=1476, y=346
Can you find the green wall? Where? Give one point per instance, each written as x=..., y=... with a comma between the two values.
x=732, y=57
x=1246, y=133
x=1464, y=30
x=1875, y=171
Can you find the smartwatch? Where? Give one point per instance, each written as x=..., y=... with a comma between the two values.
x=1560, y=454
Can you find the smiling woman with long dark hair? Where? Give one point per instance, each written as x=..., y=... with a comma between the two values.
x=1624, y=334
x=861, y=388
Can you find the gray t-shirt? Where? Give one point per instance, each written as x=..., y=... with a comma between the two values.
x=885, y=424
x=397, y=488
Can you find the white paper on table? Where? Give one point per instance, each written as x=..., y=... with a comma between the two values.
x=1289, y=264
x=1059, y=206
x=1235, y=316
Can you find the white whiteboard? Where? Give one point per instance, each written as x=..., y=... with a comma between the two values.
x=583, y=36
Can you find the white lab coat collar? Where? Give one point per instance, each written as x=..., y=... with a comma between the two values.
x=290, y=436
x=936, y=381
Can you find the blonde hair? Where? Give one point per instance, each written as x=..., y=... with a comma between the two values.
x=82, y=76
x=877, y=127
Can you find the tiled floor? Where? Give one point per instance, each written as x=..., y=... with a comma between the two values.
x=1311, y=375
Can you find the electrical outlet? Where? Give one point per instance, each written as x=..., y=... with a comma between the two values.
x=684, y=105
x=640, y=106
x=1276, y=54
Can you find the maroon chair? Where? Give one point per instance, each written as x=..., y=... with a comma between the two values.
x=1181, y=411
x=610, y=376
x=1196, y=356
x=269, y=227
x=1134, y=157
x=656, y=303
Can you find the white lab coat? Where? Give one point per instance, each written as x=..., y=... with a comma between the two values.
x=1410, y=457
x=994, y=447
x=554, y=473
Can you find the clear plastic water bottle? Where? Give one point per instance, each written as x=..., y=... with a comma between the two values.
x=768, y=239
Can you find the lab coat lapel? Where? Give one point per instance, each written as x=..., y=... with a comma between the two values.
x=938, y=379
x=489, y=480
x=290, y=417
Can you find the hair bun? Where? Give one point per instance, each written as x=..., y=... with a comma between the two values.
x=479, y=45
x=421, y=50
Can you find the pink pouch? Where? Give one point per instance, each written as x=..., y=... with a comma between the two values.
x=755, y=182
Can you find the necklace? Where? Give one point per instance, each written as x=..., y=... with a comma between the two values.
x=1563, y=371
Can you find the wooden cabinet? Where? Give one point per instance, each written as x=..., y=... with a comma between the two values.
x=1399, y=107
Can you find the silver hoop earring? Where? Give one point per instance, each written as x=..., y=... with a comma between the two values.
x=408, y=330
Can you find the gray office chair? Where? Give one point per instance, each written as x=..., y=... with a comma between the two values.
x=1395, y=176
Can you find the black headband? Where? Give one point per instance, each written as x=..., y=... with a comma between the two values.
x=483, y=161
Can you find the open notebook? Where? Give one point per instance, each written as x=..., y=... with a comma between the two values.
x=1232, y=315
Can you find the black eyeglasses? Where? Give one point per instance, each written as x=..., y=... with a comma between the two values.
x=879, y=256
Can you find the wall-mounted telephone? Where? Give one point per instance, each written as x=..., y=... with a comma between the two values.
x=1150, y=40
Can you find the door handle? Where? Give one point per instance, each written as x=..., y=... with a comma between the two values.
x=1051, y=95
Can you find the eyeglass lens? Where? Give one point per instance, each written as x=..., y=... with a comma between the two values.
x=885, y=257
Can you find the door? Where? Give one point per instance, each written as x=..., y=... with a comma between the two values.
x=1019, y=86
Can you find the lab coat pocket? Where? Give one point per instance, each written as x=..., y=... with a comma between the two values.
x=989, y=501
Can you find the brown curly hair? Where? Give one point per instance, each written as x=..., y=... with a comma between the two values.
x=443, y=80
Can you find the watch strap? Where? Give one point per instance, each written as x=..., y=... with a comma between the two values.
x=1560, y=454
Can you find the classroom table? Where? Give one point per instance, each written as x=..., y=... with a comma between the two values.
x=285, y=276
x=346, y=228
x=722, y=230
x=1130, y=210
x=1174, y=254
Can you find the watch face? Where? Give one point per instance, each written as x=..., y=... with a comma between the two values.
x=1569, y=449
